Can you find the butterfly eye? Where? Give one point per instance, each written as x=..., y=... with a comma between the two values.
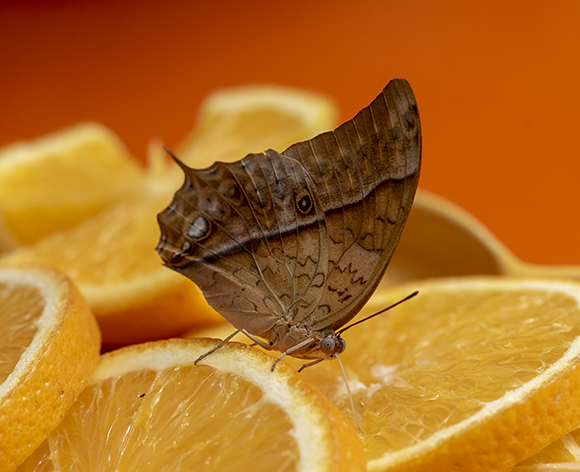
x=304, y=204
x=341, y=346
x=327, y=345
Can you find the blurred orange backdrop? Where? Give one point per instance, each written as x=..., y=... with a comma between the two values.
x=498, y=85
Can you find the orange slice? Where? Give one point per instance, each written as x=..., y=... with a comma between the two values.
x=112, y=260
x=49, y=347
x=111, y=256
x=149, y=409
x=472, y=374
x=234, y=122
x=60, y=179
x=562, y=455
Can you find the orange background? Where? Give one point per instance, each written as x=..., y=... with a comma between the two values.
x=498, y=85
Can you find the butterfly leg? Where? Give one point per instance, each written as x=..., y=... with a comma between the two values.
x=217, y=347
x=256, y=340
x=310, y=364
x=295, y=348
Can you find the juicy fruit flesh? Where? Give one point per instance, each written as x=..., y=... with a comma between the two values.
x=89, y=253
x=119, y=237
x=431, y=372
x=565, y=450
x=21, y=306
x=182, y=418
x=234, y=123
x=58, y=180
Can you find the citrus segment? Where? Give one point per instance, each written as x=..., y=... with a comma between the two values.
x=49, y=347
x=236, y=121
x=149, y=409
x=473, y=373
x=60, y=179
x=562, y=455
x=111, y=258
x=7, y=239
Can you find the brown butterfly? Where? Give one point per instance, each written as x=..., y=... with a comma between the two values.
x=289, y=246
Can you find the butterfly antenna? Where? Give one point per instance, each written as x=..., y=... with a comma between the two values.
x=408, y=297
x=354, y=415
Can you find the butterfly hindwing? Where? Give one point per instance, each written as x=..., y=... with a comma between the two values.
x=263, y=258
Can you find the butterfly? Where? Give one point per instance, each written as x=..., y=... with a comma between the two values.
x=288, y=246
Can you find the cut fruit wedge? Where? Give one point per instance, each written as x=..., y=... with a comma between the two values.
x=150, y=408
x=111, y=259
x=61, y=179
x=234, y=122
x=472, y=374
x=49, y=347
x=458, y=244
x=111, y=256
x=562, y=455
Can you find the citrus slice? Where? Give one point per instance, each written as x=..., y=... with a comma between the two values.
x=111, y=259
x=150, y=408
x=60, y=179
x=49, y=347
x=472, y=374
x=236, y=121
x=561, y=455
x=7, y=239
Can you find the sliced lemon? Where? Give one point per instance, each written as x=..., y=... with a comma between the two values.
x=111, y=258
x=150, y=408
x=58, y=180
x=49, y=347
x=472, y=374
x=234, y=122
x=562, y=455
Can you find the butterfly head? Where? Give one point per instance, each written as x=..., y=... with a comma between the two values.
x=332, y=344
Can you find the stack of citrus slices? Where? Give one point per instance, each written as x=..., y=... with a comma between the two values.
x=475, y=373
x=49, y=348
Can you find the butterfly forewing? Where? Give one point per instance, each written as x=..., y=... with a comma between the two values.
x=287, y=244
x=366, y=173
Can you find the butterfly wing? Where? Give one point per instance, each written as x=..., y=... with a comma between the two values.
x=366, y=174
x=303, y=237
x=251, y=235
